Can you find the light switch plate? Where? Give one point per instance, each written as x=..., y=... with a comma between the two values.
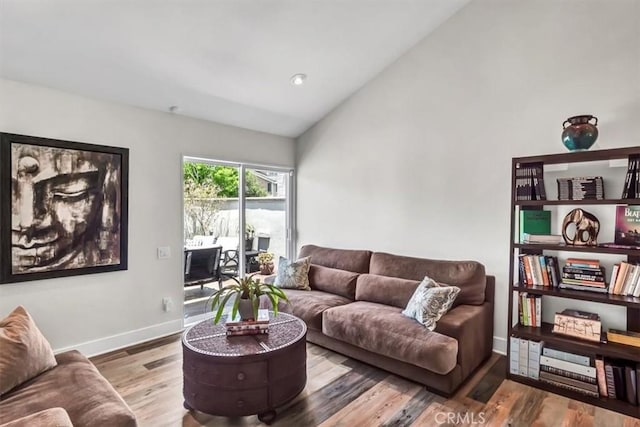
x=164, y=252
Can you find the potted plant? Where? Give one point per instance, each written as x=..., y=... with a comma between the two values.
x=246, y=293
x=265, y=259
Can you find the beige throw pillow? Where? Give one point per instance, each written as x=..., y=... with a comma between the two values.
x=430, y=302
x=293, y=274
x=25, y=351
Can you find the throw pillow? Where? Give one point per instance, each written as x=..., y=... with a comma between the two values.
x=25, y=351
x=293, y=274
x=430, y=302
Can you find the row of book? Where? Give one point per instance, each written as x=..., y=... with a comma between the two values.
x=530, y=182
x=625, y=279
x=631, y=188
x=237, y=327
x=539, y=270
x=596, y=377
x=581, y=188
x=530, y=309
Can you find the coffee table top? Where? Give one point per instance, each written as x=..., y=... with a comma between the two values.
x=210, y=339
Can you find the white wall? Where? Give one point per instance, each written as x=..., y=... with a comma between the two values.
x=103, y=311
x=418, y=161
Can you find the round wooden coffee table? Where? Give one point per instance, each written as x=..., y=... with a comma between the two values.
x=244, y=375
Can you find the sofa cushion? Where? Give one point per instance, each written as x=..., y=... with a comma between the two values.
x=430, y=302
x=385, y=290
x=293, y=274
x=469, y=276
x=54, y=417
x=307, y=305
x=75, y=385
x=25, y=351
x=384, y=330
x=343, y=259
x=332, y=280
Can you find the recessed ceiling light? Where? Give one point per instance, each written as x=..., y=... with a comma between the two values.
x=298, y=79
x=174, y=109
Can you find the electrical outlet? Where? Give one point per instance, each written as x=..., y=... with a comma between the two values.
x=167, y=304
x=164, y=252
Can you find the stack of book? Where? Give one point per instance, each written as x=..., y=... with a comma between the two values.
x=569, y=371
x=236, y=327
x=631, y=189
x=583, y=275
x=620, y=380
x=539, y=270
x=530, y=182
x=581, y=188
x=625, y=279
x=530, y=309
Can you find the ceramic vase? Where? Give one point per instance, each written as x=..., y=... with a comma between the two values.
x=579, y=133
x=245, y=309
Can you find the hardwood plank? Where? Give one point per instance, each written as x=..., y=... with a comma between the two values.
x=407, y=414
x=490, y=382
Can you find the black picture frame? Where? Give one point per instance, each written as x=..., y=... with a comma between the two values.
x=64, y=208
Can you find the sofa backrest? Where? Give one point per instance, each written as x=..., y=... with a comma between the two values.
x=356, y=261
x=469, y=276
x=385, y=290
x=333, y=280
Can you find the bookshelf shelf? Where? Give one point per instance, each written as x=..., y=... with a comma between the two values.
x=603, y=402
x=578, y=202
x=610, y=351
x=571, y=248
x=623, y=300
x=619, y=351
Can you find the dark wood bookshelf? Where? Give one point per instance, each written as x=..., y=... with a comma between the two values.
x=623, y=300
x=544, y=333
x=603, y=402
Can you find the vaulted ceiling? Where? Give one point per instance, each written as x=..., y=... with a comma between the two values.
x=228, y=61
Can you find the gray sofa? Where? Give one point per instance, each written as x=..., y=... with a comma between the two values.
x=355, y=303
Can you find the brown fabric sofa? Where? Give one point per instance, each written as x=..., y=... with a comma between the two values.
x=355, y=303
x=72, y=393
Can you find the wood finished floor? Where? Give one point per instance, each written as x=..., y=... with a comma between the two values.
x=344, y=392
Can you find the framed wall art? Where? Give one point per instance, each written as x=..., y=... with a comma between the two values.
x=63, y=208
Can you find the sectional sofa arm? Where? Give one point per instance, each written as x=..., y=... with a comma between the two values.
x=472, y=327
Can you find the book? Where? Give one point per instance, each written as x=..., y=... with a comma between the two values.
x=514, y=358
x=535, y=348
x=600, y=375
x=549, y=239
x=627, y=228
x=569, y=387
x=570, y=381
x=587, y=371
x=611, y=387
x=578, y=287
x=630, y=384
x=624, y=337
x=534, y=222
x=566, y=356
x=523, y=357
x=638, y=383
x=618, y=380
x=263, y=317
x=583, y=263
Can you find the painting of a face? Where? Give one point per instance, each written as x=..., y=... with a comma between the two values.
x=64, y=208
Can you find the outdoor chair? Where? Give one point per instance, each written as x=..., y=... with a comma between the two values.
x=202, y=266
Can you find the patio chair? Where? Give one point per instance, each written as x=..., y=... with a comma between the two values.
x=202, y=266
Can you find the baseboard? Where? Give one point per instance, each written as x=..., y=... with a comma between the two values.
x=125, y=339
x=500, y=345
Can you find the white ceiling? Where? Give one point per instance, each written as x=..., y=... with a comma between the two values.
x=227, y=61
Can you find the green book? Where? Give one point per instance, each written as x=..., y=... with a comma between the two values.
x=534, y=222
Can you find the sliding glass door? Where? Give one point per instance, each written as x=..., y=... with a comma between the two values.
x=237, y=221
